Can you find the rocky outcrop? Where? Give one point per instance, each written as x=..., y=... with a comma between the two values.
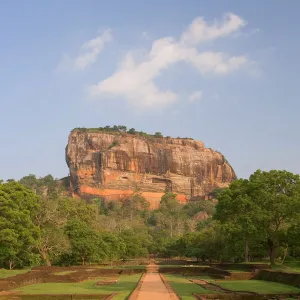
x=116, y=164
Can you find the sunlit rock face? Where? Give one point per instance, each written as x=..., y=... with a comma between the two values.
x=115, y=165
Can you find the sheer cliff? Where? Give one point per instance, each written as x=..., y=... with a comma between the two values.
x=113, y=165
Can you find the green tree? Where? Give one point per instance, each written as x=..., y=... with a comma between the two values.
x=207, y=244
x=238, y=212
x=261, y=209
x=115, y=246
x=122, y=128
x=170, y=215
x=158, y=134
x=52, y=244
x=134, y=206
x=18, y=234
x=86, y=244
x=136, y=242
x=277, y=193
x=131, y=131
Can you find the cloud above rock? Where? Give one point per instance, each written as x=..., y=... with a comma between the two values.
x=134, y=80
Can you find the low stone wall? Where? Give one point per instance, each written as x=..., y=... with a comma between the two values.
x=173, y=262
x=240, y=276
x=63, y=297
x=47, y=274
x=31, y=277
x=241, y=297
x=244, y=267
x=279, y=276
x=195, y=271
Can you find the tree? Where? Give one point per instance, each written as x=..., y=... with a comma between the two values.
x=277, y=193
x=52, y=244
x=170, y=214
x=134, y=206
x=238, y=211
x=261, y=209
x=158, y=134
x=29, y=181
x=136, y=242
x=193, y=207
x=18, y=234
x=115, y=246
x=131, y=131
x=122, y=128
x=86, y=244
x=45, y=186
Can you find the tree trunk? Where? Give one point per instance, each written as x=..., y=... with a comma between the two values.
x=246, y=250
x=285, y=254
x=83, y=262
x=46, y=258
x=11, y=264
x=272, y=252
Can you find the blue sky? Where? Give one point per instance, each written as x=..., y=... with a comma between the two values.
x=223, y=72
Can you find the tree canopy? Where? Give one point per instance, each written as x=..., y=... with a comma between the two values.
x=252, y=219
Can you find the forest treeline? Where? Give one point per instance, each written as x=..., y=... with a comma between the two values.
x=254, y=219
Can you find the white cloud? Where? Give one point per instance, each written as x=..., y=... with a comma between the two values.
x=199, y=31
x=88, y=53
x=197, y=95
x=134, y=80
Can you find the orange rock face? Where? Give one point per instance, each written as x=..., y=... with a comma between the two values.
x=115, y=165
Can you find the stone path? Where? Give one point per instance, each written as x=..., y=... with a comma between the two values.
x=153, y=288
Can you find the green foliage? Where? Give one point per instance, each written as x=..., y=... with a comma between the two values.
x=253, y=218
x=260, y=210
x=192, y=208
x=121, y=129
x=45, y=186
x=113, y=144
x=136, y=243
x=86, y=244
x=131, y=131
x=18, y=234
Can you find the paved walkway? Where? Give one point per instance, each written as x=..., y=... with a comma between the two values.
x=153, y=287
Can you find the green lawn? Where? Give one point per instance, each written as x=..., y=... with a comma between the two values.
x=184, y=288
x=238, y=271
x=205, y=277
x=258, y=286
x=124, y=287
x=8, y=273
x=293, y=267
